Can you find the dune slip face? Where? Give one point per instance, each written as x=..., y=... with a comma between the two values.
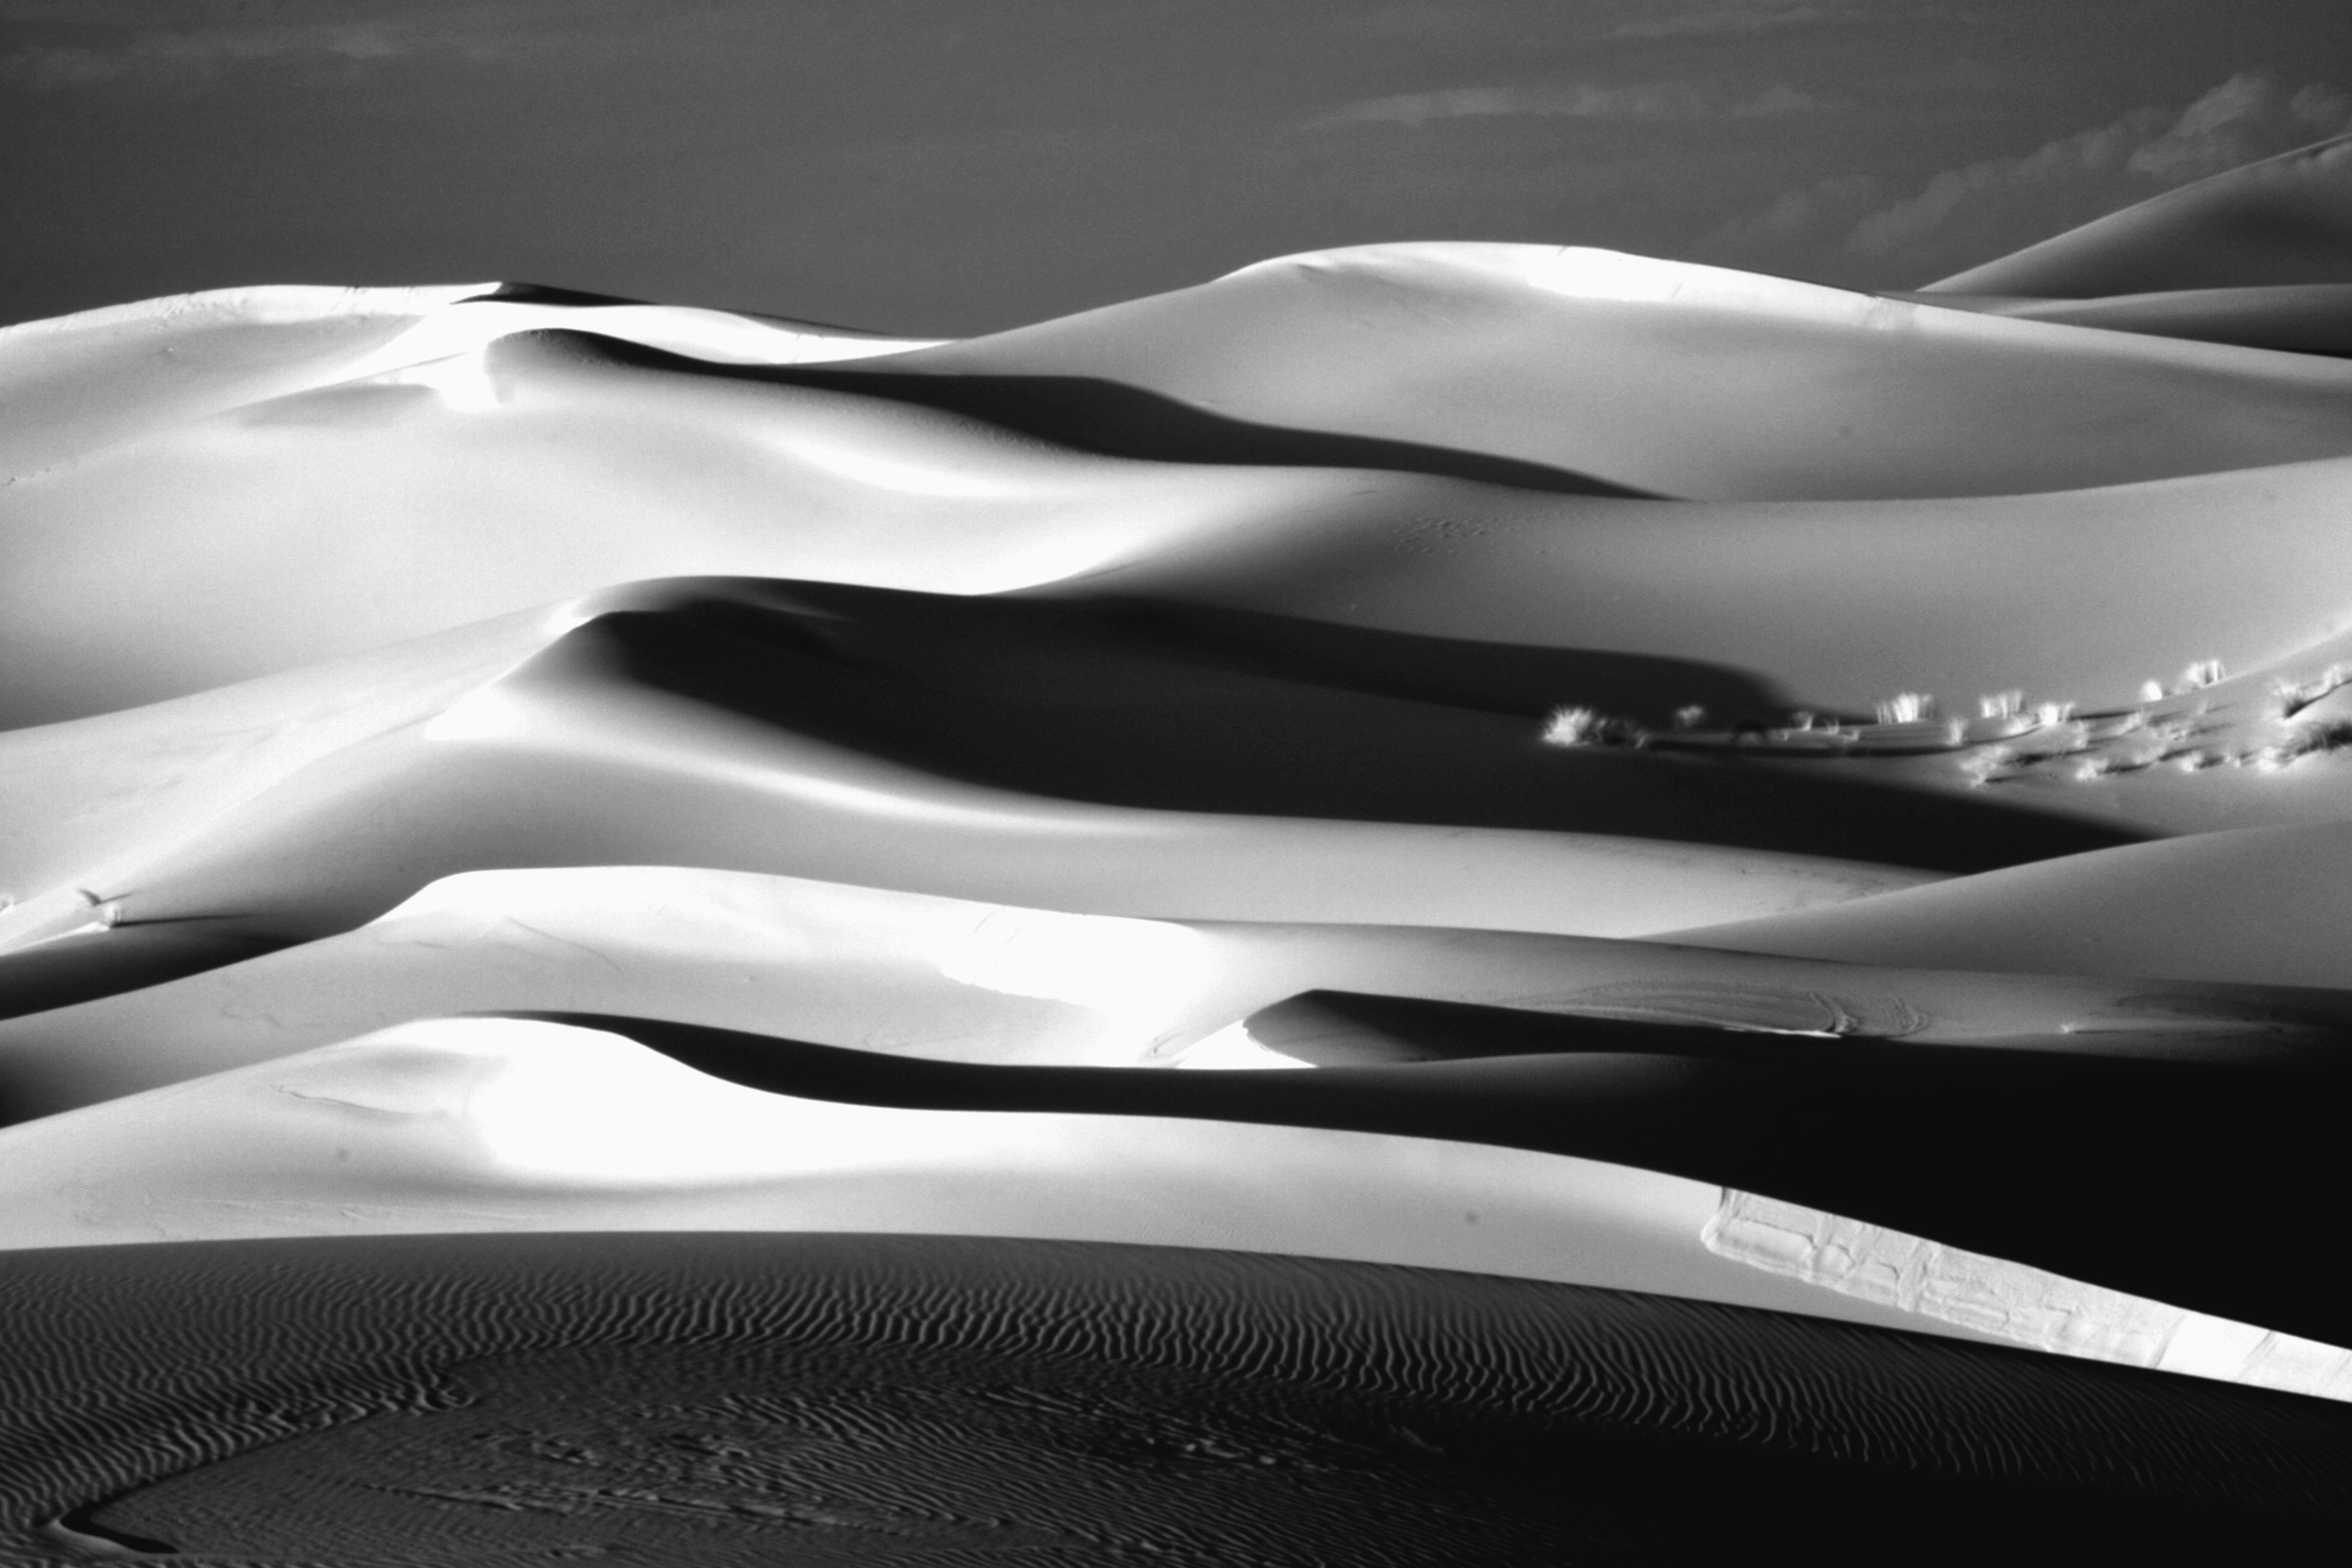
x=1428, y=892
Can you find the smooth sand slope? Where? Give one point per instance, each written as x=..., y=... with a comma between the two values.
x=654, y=737
x=2259, y=906
x=2284, y=221
x=1662, y=376
x=944, y=980
x=404, y=508
x=2302, y=318
x=518, y=1124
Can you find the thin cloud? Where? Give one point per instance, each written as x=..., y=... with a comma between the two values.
x=195, y=57
x=1716, y=23
x=1988, y=208
x=2077, y=178
x=1651, y=101
x=198, y=55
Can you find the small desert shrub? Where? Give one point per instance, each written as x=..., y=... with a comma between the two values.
x=2204, y=672
x=2308, y=739
x=1905, y=707
x=1989, y=765
x=1690, y=718
x=2294, y=697
x=1572, y=726
x=2001, y=704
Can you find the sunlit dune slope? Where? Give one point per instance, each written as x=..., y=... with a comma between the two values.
x=524, y=1125
x=504, y=1125
x=77, y=385
x=2078, y=598
x=1720, y=1108
x=2268, y=906
x=2285, y=220
x=114, y=1011
x=667, y=736
x=333, y=519
x=2302, y=318
x=527, y=464
x=1666, y=377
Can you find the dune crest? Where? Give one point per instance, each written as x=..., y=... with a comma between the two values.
x=2281, y=222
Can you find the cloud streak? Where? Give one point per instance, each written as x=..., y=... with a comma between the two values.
x=1735, y=19
x=197, y=55
x=1640, y=100
x=1978, y=210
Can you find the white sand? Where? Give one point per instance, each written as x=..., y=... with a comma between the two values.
x=470, y=1125
x=2268, y=906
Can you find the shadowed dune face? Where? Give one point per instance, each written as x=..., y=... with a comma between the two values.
x=862, y=1398
x=1425, y=893
x=1659, y=376
x=2047, y=1131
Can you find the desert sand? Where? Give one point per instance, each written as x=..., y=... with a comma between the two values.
x=1470, y=785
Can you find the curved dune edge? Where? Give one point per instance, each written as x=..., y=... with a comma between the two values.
x=563, y=756
x=480, y=1124
x=956, y=981
x=2266, y=905
x=537, y=466
x=1666, y=377
x=2284, y=220
x=2010, y=1301
x=2302, y=318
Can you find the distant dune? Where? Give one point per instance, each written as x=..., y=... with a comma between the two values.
x=2284, y=221
x=1408, y=872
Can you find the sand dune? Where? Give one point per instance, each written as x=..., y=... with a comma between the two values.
x=2286, y=220
x=604, y=747
x=464, y=1125
x=909, y=975
x=402, y=514
x=1662, y=376
x=2261, y=905
x=2302, y=318
x=1464, y=769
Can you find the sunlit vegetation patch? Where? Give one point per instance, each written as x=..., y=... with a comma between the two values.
x=2196, y=722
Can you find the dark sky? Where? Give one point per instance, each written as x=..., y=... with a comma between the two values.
x=946, y=166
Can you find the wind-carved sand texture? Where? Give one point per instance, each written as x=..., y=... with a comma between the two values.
x=2011, y=1301
x=1241, y=927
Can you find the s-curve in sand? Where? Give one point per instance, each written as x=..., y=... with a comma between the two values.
x=1426, y=892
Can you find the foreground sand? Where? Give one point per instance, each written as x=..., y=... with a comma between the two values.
x=858, y=1398
x=1451, y=778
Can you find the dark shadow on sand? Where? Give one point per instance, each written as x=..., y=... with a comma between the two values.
x=747, y=1398
x=2198, y=1185
x=1135, y=704
x=129, y=957
x=1114, y=420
